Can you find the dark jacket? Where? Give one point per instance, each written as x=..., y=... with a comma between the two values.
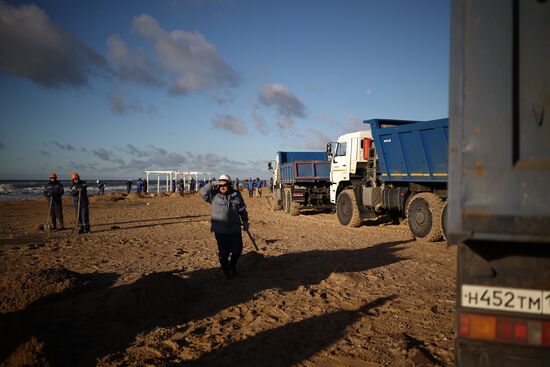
x=55, y=190
x=83, y=188
x=228, y=210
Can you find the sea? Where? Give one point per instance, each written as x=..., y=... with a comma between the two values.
x=31, y=189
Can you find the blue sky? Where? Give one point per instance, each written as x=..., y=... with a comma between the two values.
x=110, y=89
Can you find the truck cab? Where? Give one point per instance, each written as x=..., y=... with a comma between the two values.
x=349, y=159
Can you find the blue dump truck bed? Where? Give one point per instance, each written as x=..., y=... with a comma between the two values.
x=303, y=167
x=411, y=151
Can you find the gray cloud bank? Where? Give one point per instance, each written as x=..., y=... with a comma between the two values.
x=34, y=47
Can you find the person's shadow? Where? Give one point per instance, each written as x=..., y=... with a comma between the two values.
x=78, y=328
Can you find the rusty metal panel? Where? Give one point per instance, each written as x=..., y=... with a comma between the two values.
x=499, y=150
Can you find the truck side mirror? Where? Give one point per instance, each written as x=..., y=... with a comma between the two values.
x=329, y=149
x=269, y=166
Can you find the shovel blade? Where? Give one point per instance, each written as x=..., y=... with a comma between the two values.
x=47, y=228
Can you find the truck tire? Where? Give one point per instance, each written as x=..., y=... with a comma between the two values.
x=347, y=210
x=294, y=208
x=424, y=216
x=444, y=222
x=287, y=201
x=277, y=204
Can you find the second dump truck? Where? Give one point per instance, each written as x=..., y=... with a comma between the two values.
x=301, y=181
x=396, y=168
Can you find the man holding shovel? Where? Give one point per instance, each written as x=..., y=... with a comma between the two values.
x=228, y=214
x=54, y=191
x=80, y=201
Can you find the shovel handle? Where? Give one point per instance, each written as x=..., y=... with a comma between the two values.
x=252, y=239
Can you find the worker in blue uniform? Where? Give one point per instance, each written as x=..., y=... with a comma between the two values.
x=79, y=191
x=54, y=192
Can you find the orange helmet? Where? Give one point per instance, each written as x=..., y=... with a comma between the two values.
x=74, y=176
x=53, y=175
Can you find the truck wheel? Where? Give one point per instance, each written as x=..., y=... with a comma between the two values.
x=444, y=222
x=346, y=209
x=294, y=208
x=288, y=201
x=277, y=204
x=424, y=216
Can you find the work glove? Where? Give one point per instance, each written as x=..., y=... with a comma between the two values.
x=246, y=225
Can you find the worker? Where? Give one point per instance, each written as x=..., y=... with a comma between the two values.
x=271, y=184
x=100, y=187
x=192, y=186
x=181, y=186
x=250, y=186
x=129, y=186
x=139, y=186
x=145, y=186
x=79, y=191
x=237, y=182
x=54, y=192
x=228, y=215
x=258, y=184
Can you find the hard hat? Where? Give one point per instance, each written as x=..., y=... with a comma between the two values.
x=224, y=177
x=97, y=181
x=74, y=175
x=53, y=175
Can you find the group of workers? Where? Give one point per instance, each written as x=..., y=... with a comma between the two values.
x=79, y=190
x=228, y=216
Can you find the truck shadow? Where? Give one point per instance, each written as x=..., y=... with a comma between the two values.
x=78, y=328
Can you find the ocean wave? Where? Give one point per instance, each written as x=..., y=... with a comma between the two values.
x=6, y=189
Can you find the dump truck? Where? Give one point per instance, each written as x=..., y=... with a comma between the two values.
x=499, y=176
x=301, y=180
x=396, y=168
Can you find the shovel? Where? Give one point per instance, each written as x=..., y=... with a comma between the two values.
x=252, y=239
x=48, y=226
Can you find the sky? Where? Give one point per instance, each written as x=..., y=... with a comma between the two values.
x=112, y=88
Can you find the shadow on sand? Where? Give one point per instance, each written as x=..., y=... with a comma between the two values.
x=77, y=328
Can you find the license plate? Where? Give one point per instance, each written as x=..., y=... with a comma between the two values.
x=506, y=299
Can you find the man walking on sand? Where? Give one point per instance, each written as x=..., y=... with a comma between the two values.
x=228, y=214
x=54, y=191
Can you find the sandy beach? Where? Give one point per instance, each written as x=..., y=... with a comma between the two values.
x=145, y=289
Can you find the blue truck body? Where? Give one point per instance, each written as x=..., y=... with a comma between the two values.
x=303, y=167
x=400, y=170
x=302, y=180
x=411, y=151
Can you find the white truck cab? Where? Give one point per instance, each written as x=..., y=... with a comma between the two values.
x=349, y=155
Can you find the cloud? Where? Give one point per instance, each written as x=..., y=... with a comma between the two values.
x=134, y=160
x=230, y=123
x=2, y=146
x=36, y=48
x=132, y=150
x=82, y=166
x=67, y=147
x=108, y=156
x=47, y=154
x=133, y=65
x=186, y=59
x=223, y=97
x=287, y=105
x=121, y=106
x=316, y=140
x=355, y=123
